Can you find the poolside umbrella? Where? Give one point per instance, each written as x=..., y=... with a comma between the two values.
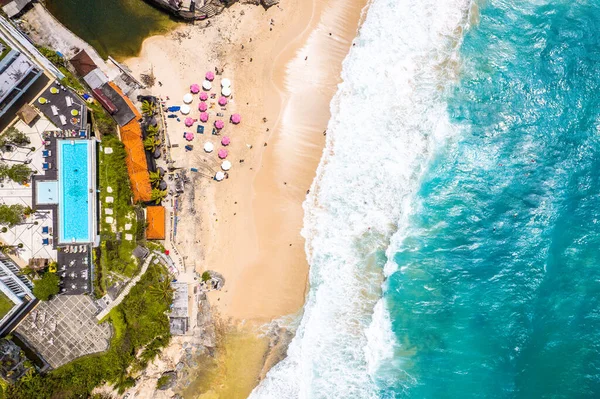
x=235, y=119
x=204, y=96
x=226, y=91
x=189, y=136
x=53, y=90
x=188, y=98
x=185, y=109
x=203, y=117
x=226, y=165
x=225, y=140
x=208, y=147
x=222, y=101
x=206, y=85
x=202, y=106
x=189, y=122
x=210, y=76
x=195, y=88
x=225, y=82
x=223, y=153
x=219, y=124
x=219, y=176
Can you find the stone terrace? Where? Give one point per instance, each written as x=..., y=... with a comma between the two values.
x=64, y=329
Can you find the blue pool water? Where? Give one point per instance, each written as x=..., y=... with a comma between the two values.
x=480, y=205
x=74, y=183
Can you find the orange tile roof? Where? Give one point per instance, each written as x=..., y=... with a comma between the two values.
x=137, y=114
x=131, y=136
x=155, y=216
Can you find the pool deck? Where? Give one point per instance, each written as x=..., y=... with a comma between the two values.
x=28, y=234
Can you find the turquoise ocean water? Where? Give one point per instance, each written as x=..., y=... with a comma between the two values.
x=454, y=243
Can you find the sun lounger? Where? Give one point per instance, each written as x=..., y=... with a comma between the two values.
x=54, y=109
x=46, y=166
x=46, y=153
x=45, y=230
x=69, y=101
x=73, y=249
x=63, y=119
x=83, y=248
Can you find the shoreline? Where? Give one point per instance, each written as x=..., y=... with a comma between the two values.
x=247, y=228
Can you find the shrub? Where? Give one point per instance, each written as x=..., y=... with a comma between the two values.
x=46, y=287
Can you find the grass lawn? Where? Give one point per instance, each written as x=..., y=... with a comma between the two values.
x=6, y=49
x=5, y=305
x=116, y=251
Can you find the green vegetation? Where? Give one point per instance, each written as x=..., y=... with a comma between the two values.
x=10, y=249
x=69, y=79
x=205, y=276
x=5, y=305
x=19, y=173
x=11, y=215
x=148, y=108
x=115, y=255
x=5, y=49
x=140, y=326
x=151, y=131
x=158, y=195
x=13, y=136
x=151, y=144
x=105, y=124
x=46, y=287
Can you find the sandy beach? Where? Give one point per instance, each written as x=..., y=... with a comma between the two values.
x=284, y=64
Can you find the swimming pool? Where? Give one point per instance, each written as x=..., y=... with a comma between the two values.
x=76, y=190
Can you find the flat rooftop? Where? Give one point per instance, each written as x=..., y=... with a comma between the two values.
x=62, y=107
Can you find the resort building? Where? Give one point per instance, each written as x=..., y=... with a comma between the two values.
x=21, y=79
x=155, y=221
x=16, y=297
x=137, y=166
x=179, y=317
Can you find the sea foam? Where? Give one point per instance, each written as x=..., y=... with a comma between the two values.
x=388, y=118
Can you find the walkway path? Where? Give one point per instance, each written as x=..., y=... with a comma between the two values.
x=126, y=290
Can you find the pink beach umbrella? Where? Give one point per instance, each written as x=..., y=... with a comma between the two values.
x=223, y=153
x=195, y=88
x=236, y=118
x=203, y=116
x=189, y=136
x=210, y=76
x=203, y=96
x=189, y=122
x=219, y=124
x=223, y=101
x=202, y=107
x=225, y=140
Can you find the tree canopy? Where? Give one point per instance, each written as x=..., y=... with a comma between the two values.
x=46, y=287
x=11, y=215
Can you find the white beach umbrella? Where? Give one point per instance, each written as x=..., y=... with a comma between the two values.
x=225, y=82
x=206, y=85
x=226, y=165
x=188, y=98
x=185, y=109
x=219, y=176
x=226, y=91
x=209, y=147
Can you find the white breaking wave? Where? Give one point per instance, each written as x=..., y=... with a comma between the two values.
x=388, y=117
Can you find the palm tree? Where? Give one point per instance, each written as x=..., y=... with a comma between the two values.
x=162, y=290
x=13, y=136
x=10, y=249
x=148, y=108
x=151, y=144
x=151, y=131
x=155, y=178
x=158, y=195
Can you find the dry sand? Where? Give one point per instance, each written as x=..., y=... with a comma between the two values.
x=285, y=65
